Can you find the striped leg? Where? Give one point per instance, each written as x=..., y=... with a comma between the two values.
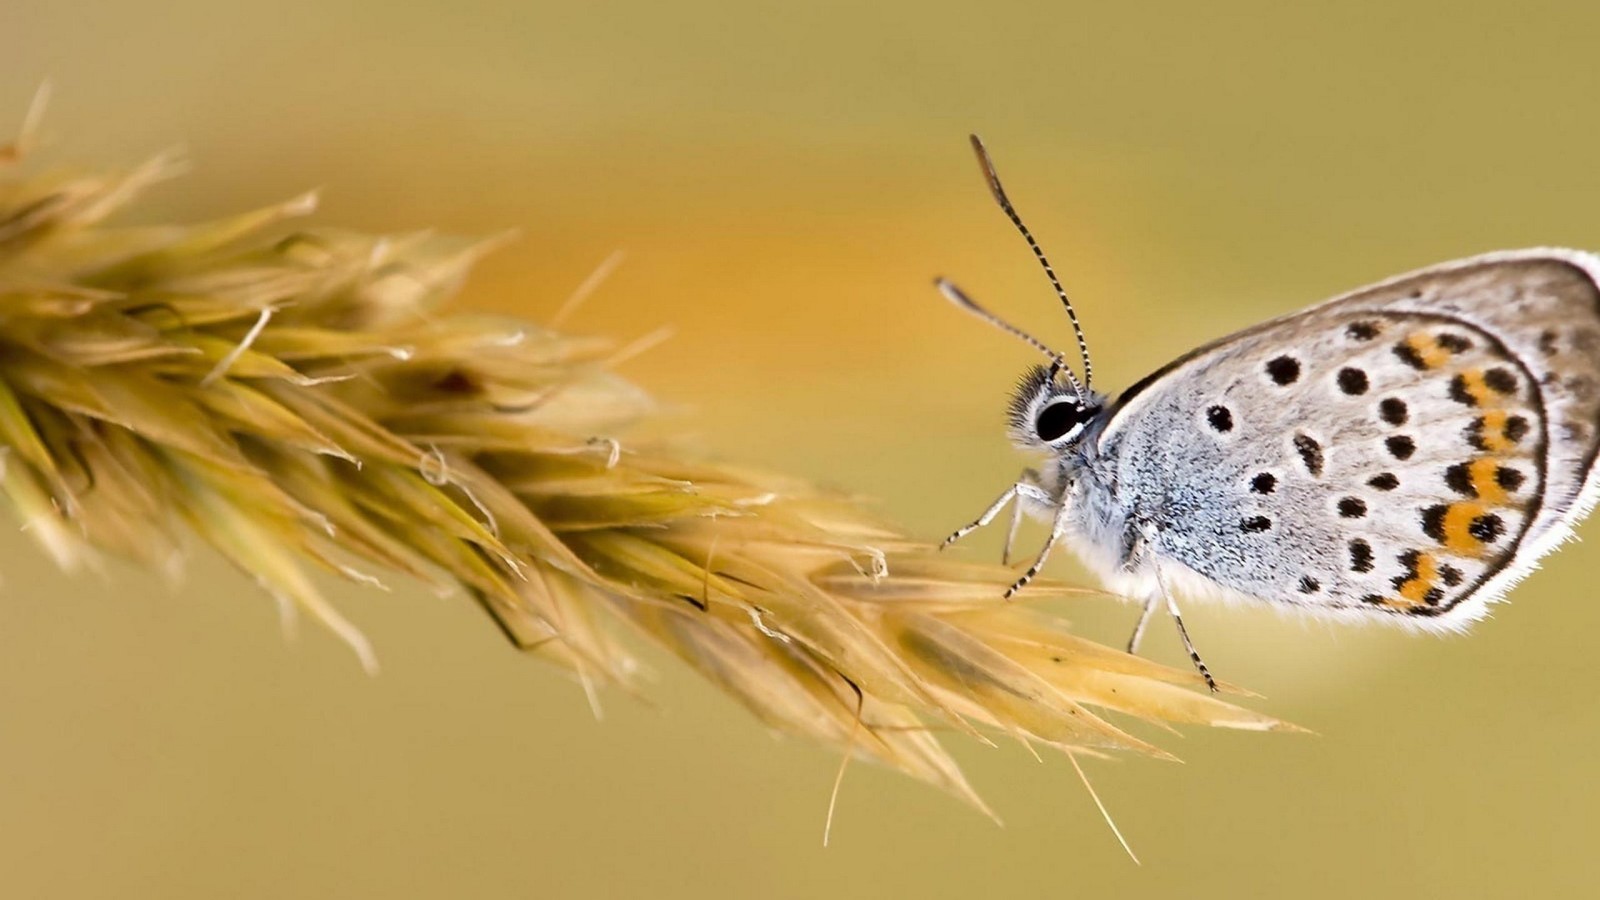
x=1194, y=655
x=1057, y=529
x=1027, y=487
x=1024, y=489
x=1011, y=534
x=1138, y=628
x=1140, y=534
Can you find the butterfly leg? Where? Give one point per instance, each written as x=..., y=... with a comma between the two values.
x=1194, y=655
x=1139, y=627
x=1011, y=534
x=1138, y=538
x=1024, y=488
x=1057, y=530
x=1029, y=477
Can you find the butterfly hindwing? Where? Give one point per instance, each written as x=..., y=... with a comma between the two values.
x=1407, y=450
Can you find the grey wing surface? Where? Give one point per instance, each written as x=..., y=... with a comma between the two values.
x=1409, y=449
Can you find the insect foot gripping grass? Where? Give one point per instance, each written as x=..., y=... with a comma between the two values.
x=295, y=397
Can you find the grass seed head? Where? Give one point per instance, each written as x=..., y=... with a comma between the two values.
x=296, y=397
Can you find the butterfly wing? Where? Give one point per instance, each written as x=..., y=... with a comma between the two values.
x=1408, y=450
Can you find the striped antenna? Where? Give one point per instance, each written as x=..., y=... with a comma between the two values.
x=1057, y=364
x=1000, y=197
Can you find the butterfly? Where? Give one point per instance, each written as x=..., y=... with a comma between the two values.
x=1405, y=452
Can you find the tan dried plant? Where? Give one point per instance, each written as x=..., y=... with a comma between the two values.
x=295, y=398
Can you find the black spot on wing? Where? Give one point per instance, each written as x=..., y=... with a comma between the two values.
x=1409, y=560
x=1508, y=479
x=1283, y=370
x=1255, y=524
x=1360, y=556
x=1310, y=452
x=1487, y=528
x=1393, y=410
x=1500, y=380
x=1409, y=355
x=1364, y=330
x=1384, y=481
x=1220, y=418
x=1433, y=521
x=1459, y=479
x=1353, y=381
x=1516, y=429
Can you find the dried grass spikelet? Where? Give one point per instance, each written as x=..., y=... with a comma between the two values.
x=295, y=399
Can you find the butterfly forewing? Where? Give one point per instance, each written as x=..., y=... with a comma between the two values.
x=1406, y=450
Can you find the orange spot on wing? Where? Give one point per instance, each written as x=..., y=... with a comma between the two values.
x=1493, y=436
x=1472, y=381
x=1428, y=350
x=1482, y=473
x=1457, y=524
x=1415, y=589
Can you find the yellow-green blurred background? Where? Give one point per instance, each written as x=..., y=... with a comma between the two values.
x=785, y=179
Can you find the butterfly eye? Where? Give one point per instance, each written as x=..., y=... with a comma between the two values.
x=1058, y=419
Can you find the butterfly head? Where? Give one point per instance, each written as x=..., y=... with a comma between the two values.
x=1052, y=409
x=1050, y=415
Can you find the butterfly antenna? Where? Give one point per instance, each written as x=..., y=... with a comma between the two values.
x=1000, y=197
x=1058, y=365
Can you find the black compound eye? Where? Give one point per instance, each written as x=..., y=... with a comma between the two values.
x=1059, y=418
